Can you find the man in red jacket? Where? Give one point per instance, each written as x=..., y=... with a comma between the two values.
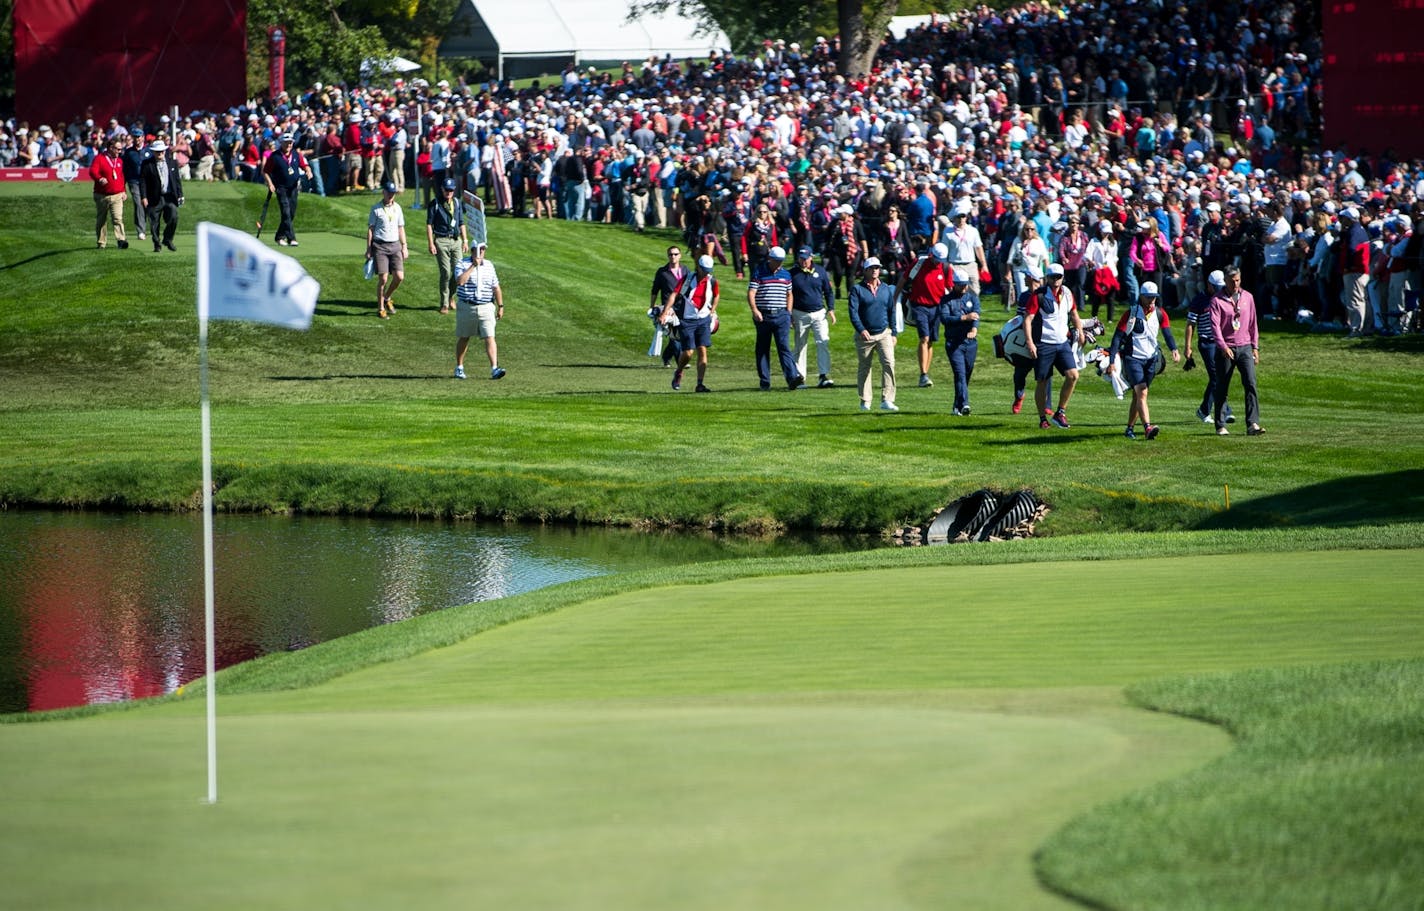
x=109, y=193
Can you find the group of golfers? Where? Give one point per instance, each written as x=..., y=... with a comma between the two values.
x=792, y=306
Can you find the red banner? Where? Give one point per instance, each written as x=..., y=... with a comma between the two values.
x=38, y=174
x=1374, y=66
x=276, y=59
x=116, y=58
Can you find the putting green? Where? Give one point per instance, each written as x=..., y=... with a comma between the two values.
x=849, y=740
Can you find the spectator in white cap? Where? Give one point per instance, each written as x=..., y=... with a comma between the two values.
x=387, y=248
x=692, y=307
x=1100, y=262
x=959, y=315
x=1354, y=246
x=770, y=298
x=964, y=247
x=1402, y=274
x=871, y=308
x=1135, y=341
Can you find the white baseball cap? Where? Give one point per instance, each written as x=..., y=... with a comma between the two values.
x=778, y=254
x=1217, y=279
x=871, y=262
x=1149, y=289
x=940, y=252
x=704, y=263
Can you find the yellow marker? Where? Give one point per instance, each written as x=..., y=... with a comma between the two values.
x=1227, y=488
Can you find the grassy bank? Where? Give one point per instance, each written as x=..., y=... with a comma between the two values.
x=359, y=415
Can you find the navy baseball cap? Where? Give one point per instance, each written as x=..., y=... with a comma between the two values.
x=449, y=184
x=389, y=186
x=804, y=253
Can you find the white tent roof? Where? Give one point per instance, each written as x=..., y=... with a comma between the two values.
x=579, y=29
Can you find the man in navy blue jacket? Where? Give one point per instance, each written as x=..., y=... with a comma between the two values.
x=871, y=313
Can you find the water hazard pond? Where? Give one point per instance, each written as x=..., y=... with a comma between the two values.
x=98, y=607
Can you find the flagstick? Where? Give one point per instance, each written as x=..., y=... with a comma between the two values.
x=209, y=626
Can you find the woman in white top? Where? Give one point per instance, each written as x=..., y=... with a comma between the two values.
x=1028, y=256
x=1102, y=255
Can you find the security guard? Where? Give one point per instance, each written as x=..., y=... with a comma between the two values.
x=447, y=240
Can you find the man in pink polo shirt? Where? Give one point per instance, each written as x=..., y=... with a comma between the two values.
x=1238, y=348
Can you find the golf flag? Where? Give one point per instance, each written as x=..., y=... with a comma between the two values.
x=240, y=278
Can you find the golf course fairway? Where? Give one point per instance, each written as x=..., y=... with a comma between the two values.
x=895, y=738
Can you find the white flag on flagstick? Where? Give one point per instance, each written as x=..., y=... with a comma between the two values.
x=239, y=278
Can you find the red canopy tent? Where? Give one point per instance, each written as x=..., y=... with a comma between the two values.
x=117, y=58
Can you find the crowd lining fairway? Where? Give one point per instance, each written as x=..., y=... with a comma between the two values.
x=834, y=740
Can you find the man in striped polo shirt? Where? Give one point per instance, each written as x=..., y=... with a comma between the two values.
x=769, y=296
x=1199, y=322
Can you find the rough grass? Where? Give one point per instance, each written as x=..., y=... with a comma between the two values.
x=1318, y=806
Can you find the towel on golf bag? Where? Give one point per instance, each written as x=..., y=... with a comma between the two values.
x=1100, y=358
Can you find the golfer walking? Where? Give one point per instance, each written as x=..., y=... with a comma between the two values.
x=871, y=307
x=1136, y=341
x=1233, y=322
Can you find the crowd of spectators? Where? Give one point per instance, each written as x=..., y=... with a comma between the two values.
x=1192, y=128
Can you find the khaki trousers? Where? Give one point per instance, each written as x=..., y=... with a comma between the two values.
x=109, y=209
x=882, y=346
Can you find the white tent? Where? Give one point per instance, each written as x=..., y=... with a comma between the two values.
x=529, y=37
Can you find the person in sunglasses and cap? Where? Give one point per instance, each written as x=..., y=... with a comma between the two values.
x=282, y=172
x=1136, y=341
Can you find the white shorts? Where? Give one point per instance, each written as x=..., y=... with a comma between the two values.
x=472, y=320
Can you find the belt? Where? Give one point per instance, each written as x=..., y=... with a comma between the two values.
x=967, y=262
x=446, y=236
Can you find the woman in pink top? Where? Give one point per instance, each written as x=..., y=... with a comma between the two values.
x=1149, y=252
x=1071, y=249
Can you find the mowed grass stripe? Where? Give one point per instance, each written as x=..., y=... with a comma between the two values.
x=925, y=628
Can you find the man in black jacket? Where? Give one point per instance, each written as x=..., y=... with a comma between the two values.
x=162, y=191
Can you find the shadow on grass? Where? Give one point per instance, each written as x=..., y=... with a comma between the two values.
x=358, y=376
x=1050, y=439
x=1360, y=500
x=46, y=254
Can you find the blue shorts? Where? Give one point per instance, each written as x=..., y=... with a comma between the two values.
x=926, y=320
x=1050, y=356
x=1137, y=372
x=696, y=333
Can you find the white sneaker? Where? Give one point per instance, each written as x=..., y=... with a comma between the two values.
x=459, y=373
x=142, y=236
x=281, y=241
x=864, y=406
x=889, y=406
x=925, y=381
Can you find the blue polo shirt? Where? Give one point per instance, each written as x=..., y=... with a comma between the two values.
x=812, y=291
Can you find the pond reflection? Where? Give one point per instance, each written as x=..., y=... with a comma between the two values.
x=108, y=607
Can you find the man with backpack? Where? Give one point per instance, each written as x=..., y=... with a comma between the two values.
x=696, y=298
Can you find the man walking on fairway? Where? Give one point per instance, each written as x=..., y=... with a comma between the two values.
x=1233, y=322
x=479, y=304
x=1050, y=344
